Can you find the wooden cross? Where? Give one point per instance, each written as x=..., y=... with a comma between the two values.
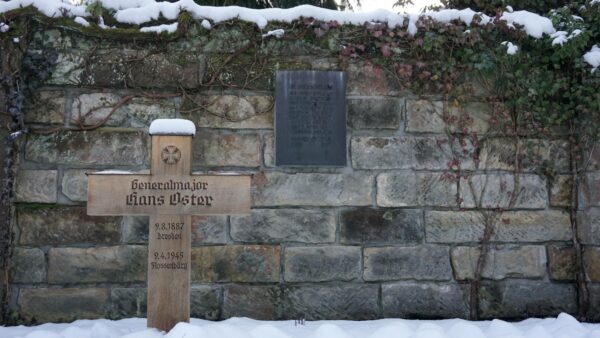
x=170, y=194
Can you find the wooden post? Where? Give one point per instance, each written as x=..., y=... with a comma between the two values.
x=169, y=195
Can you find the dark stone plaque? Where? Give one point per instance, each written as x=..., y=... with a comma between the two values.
x=310, y=118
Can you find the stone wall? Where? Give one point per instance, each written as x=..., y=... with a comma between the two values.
x=394, y=233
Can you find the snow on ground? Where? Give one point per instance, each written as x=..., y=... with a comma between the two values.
x=564, y=326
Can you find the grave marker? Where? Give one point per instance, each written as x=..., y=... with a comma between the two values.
x=170, y=194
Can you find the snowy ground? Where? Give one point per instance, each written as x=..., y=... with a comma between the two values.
x=564, y=326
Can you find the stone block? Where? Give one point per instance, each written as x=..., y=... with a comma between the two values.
x=100, y=147
x=236, y=263
x=538, y=155
x=36, y=186
x=28, y=265
x=141, y=111
x=209, y=229
x=369, y=225
x=96, y=265
x=501, y=262
x=374, y=113
x=205, y=302
x=127, y=302
x=407, y=188
x=45, y=107
x=284, y=225
x=453, y=226
x=509, y=226
x=52, y=38
x=368, y=79
x=269, y=150
x=425, y=300
x=235, y=150
x=332, y=302
x=279, y=189
x=512, y=299
x=68, y=68
x=562, y=263
x=590, y=190
x=43, y=226
x=498, y=154
x=443, y=153
x=560, y=191
x=591, y=263
x=499, y=191
x=588, y=229
x=143, y=68
x=423, y=262
x=382, y=152
x=74, y=184
x=62, y=305
x=423, y=116
x=594, y=310
x=230, y=111
x=322, y=264
x=135, y=229
x=256, y=302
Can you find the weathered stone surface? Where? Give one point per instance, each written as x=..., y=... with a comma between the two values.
x=498, y=191
x=279, y=189
x=100, y=147
x=425, y=300
x=442, y=153
x=562, y=263
x=510, y=226
x=530, y=226
x=96, y=265
x=137, y=68
x=317, y=302
x=209, y=229
x=594, y=309
x=498, y=154
x=205, y=302
x=424, y=262
x=52, y=38
x=230, y=111
x=256, y=302
x=368, y=225
x=269, y=150
x=236, y=263
x=519, y=299
x=537, y=153
x=321, y=264
x=560, y=191
x=377, y=113
x=45, y=107
x=28, y=265
x=65, y=226
x=501, y=262
x=74, y=185
x=284, y=225
x=127, y=302
x=367, y=79
x=590, y=190
x=588, y=229
x=62, y=305
x=382, y=152
x=431, y=116
x=591, y=263
x=36, y=186
x=135, y=229
x=141, y=111
x=407, y=188
x=218, y=149
x=454, y=227
x=68, y=67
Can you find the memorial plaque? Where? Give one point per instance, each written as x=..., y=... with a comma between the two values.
x=310, y=118
x=170, y=194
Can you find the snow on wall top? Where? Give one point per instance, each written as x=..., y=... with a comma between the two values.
x=172, y=127
x=144, y=11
